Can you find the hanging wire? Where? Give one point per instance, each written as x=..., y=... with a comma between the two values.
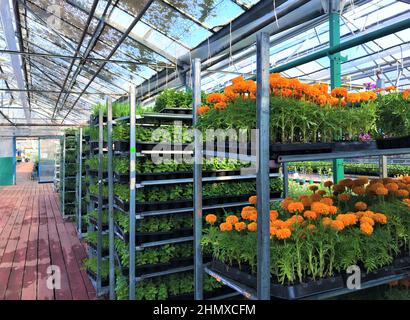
x=275, y=13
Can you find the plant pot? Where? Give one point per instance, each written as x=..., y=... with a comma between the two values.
x=299, y=148
x=393, y=143
x=105, y=251
x=402, y=262
x=121, y=146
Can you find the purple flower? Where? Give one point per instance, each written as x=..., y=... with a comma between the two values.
x=365, y=137
x=369, y=85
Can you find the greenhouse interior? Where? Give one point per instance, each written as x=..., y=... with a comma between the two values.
x=205, y=150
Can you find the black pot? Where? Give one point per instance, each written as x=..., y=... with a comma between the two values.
x=393, y=143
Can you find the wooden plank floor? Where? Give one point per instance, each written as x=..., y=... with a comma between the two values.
x=33, y=237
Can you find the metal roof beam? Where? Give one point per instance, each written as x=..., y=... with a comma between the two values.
x=121, y=40
x=7, y=22
x=76, y=53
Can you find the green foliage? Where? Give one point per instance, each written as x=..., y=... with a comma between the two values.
x=91, y=264
x=171, y=98
x=91, y=238
x=94, y=215
x=292, y=120
x=185, y=191
x=164, y=287
x=393, y=115
x=92, y=163
x=323, y=167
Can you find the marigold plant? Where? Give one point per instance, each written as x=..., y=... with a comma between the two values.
x=211, y=218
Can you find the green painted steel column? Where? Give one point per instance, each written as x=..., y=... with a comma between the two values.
x=335, y=77
x=7, y=161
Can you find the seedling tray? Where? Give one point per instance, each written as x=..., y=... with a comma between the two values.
x=121, y=146
x=288, y=292
x=177, y=110
x=93, y=276
x=94, y=173
x=105, y=251
x=94, y=145
x=177, y=204
x=402, y=262
x=393, y=143
x=345, y=146
x=95, y=223
x=144, y=237
x=94, y=198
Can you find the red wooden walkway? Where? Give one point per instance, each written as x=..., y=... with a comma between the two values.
x=33, y=236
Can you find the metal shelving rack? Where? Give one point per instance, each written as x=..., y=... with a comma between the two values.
x=57, y=168
x=63, y=176
x=151, y=119
x=263, y=271
x=80, y=190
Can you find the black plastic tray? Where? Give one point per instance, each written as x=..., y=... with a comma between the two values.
x=177, y=110
x=345, y=146
x=178, y=204
x=289, y=292
x=393, y=143
x=144, y=237
x=93, y=276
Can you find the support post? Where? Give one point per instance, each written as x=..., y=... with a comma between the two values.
x=198, y=154
x=62, y=176
x=100, y=195
x=80, y=182
x=110, y=202
x=132, y=193
x=383, y=167
x=285, y=171
x=262, y=181
x=335, y=71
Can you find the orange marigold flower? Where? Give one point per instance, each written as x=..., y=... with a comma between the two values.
x=252, y=226
x=296, y=207
x=313, y=188
x=401, y=193
x=272, y=231
x=225, y=227
x=277, y=223
x=406, y=93
x=253, y=200
x=273, y=215
x=238, y=80
x=315, y=197
x=392, y=186
x=230, y=94
x=366, y=228
x=359, y=190
x=380, y=218
x=311, y=227
x=321, y=192
x=339, y=188
x=337, y=225
x=381, y=191
x=339, y=93
x=283, y=233
x=360, y=206
x=253, y=216
x=247, y=211
x=220, y=105
x=216, y=97
x=327, y=201
x=391, y=88
x=203, y=109
x=406, y=179
x=347, y=218
x=319, y=208
x=240, y=226
x=211, y=218
x=305, y=200
x=326, y=221
x=332, y=209
x=328, y=184
x=344, y=197
x=309, y=214
x=232, y=219
x=346, y=183
x=367, y=220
